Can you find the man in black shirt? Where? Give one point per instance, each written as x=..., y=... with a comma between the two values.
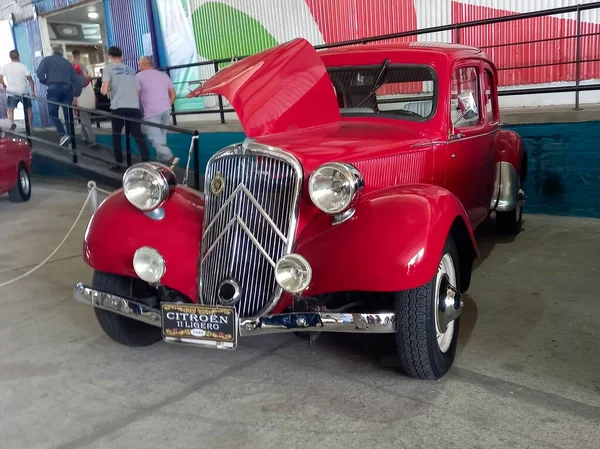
x=63, y=85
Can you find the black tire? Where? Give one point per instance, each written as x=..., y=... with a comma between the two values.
x=416, y=339
x=510, y=222
x=121, y=329
x=22, y=191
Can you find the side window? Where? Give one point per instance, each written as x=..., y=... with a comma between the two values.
x=464, y=79
x=490, y=93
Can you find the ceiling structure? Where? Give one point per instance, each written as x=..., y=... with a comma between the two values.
x=76, y=25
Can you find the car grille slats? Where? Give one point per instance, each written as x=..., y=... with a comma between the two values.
x=248, y=225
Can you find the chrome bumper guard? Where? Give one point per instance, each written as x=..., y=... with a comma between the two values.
x=374, y=323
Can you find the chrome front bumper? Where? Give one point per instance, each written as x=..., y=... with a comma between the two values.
x=374, y=323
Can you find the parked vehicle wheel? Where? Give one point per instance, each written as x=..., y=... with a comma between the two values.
x=121, y=329
x=509, y=222
x=22, y=191
x=425, y=351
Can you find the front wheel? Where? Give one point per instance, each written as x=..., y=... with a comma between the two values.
x=426, y=340
x=22, y=191
x=122, y=329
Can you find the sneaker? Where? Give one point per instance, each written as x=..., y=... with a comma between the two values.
x=173, y=162
x=116, y=167
x=12, y=127
x=94, y=146
x=64, y=140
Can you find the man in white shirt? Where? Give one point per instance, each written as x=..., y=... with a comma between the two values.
x=14, y=77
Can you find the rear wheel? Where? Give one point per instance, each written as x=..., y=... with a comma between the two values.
x=509, y=222
x=22, y=191
x=121, y=329
x=425, y=344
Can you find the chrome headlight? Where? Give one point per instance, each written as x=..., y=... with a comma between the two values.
x=147, y=185
x=334, y=187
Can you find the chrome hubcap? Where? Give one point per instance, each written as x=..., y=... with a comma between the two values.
x=24, y=180
x=444, y=314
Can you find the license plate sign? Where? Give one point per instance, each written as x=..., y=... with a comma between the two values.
x=209, y=326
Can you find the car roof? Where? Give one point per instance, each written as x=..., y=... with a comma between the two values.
x=440, y=49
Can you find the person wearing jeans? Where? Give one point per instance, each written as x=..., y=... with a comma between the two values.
x=156, y=95
x=63, y=85
x=133, y=129
x=60, y=93
x=120, y=80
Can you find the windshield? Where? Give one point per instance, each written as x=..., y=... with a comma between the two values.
x=400, y=91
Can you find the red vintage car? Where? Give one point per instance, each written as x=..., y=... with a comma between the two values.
x=350, y=207
x=15, y=168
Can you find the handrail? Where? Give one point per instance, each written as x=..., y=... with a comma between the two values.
x=111, y=115
x=194, y=152
x=455, y=27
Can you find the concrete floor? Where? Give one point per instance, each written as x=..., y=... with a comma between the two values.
x=527, y=372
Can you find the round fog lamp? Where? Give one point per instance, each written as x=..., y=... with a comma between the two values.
x=149, y=265
x=293, y=273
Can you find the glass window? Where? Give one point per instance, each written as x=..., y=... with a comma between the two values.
x=490, y=92
x=404, y=92
x=462, y=80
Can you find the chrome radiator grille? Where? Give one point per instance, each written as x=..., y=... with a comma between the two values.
x=251, y=202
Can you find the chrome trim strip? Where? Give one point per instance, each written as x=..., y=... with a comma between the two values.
x=344, y=216
x=117, y=304
x=255, y=241
x=249, y=147
x=232, y=197
x=462, y=139
x=373, y=323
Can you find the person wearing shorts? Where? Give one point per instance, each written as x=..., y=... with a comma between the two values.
x=14, y=76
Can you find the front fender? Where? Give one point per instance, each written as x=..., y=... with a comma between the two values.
x=394, y=241
x=118, y=229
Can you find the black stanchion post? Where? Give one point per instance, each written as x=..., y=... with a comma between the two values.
x=128, y=146
x=578, y=59
x=457, y=35
x=173, y=115
x=27, y=124
x=71, y=132
x=221, y=109
x=196, y=149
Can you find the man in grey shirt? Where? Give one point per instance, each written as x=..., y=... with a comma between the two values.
x=121, y=82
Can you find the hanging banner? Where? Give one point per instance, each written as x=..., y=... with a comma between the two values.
x=180, y=46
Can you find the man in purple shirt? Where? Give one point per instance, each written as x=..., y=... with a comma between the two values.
x=156, y=95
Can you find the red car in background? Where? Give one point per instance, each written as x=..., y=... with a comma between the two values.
x=350, y=207
x=15, y=168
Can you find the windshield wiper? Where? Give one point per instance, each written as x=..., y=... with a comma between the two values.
x=379, y=81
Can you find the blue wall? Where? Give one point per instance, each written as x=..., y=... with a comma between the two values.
x=564, y=164
x=564, y=168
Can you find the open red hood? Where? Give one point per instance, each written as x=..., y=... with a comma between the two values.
x=285, y=88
